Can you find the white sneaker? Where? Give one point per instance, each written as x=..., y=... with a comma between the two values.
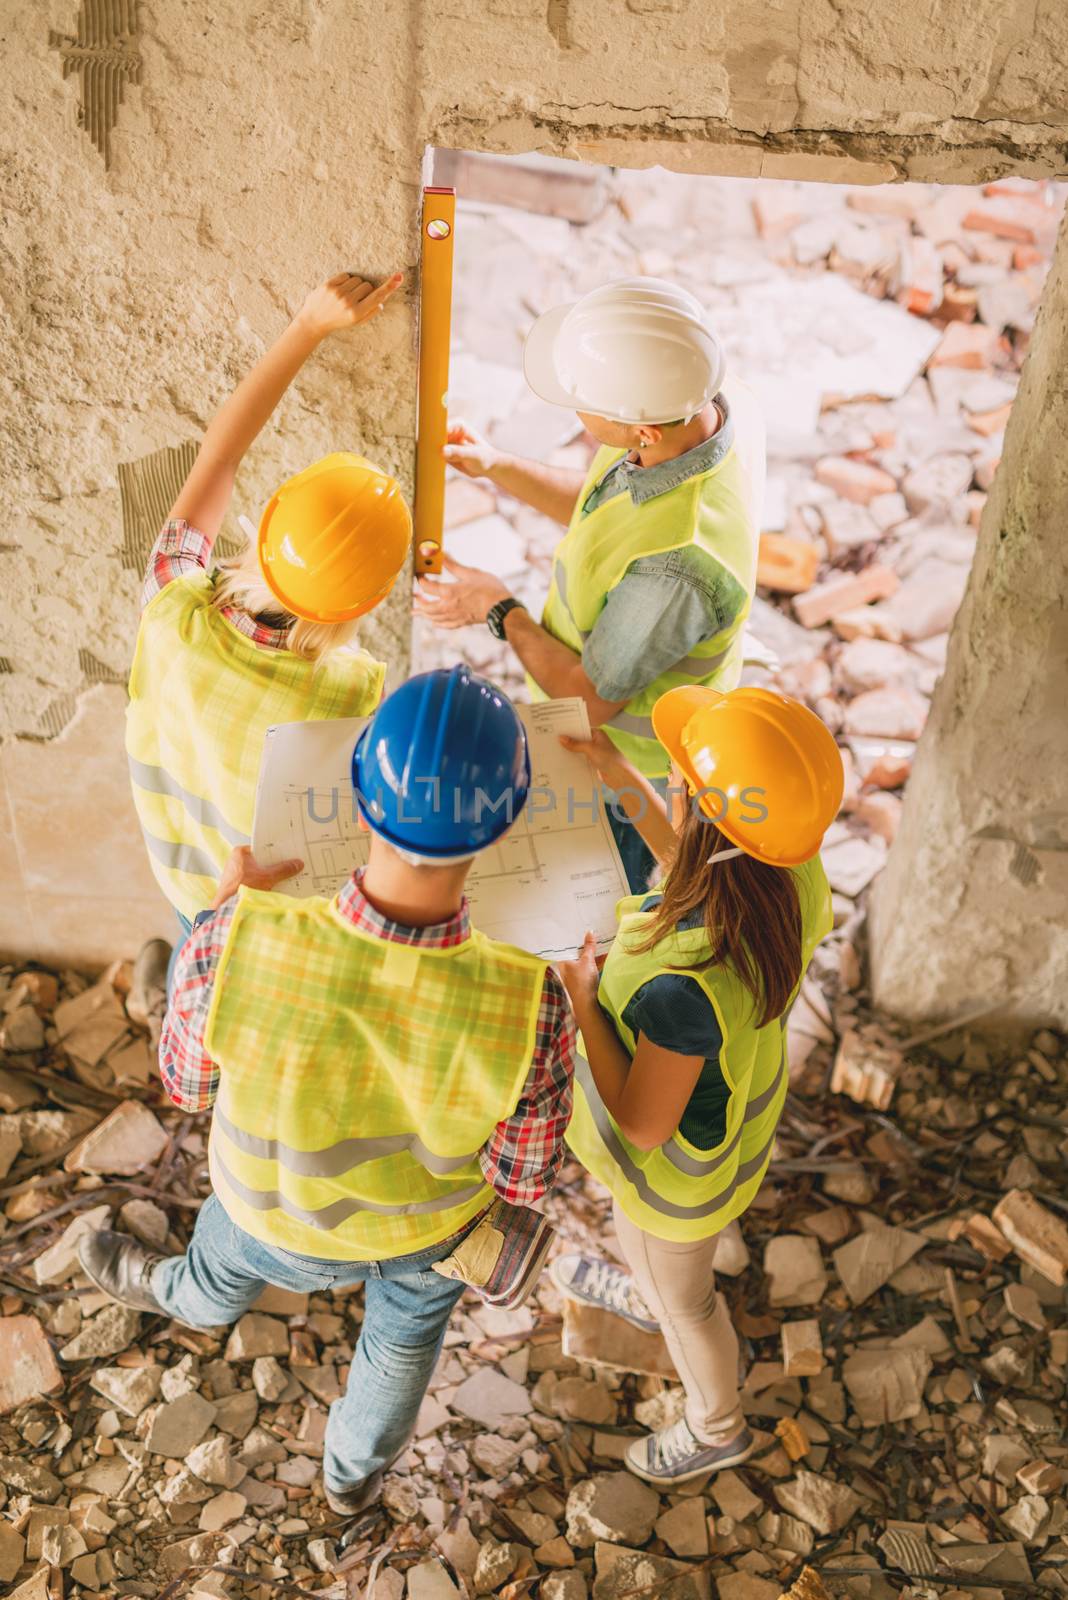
x=675, y=1455
x=599, y=1283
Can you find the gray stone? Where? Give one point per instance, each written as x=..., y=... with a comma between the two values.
x=257, y=1335
x=30, y=1477
x=794, y=1267
x=268, y=1378
x=213, y=1463
x=180, y=1424
x=146, y=1221
x=112, y=1330
x=129, y=1388
x=430, y=1581
x=221, y=1511
x=825, y=1504
x=487, y=1396
x=181, y=1379
x=495, y=1564
x=235, y=1413
x=613, y=1506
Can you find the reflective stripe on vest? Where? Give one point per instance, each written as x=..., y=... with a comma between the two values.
x=678, y=1191
x=360, y=1078
x=710, y=512
x=202, y=697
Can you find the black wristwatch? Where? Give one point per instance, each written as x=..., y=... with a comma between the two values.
x=497, y=613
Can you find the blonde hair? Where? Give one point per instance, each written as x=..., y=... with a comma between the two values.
x=239, y=582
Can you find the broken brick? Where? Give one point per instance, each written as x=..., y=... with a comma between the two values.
x=858, y=481
x=842, y=593
x=1038, y=1236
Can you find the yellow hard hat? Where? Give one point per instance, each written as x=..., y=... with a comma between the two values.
x=774, y=767
x=333, y=538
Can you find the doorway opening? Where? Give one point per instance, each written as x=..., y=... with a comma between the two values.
x=882, y=331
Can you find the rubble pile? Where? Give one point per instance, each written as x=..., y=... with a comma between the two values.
x=901, y=1285
x=900, y=1289
x=882, y=330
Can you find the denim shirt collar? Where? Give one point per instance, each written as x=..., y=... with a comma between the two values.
x=645, y=483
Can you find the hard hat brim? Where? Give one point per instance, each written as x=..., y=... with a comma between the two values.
x=539, y=362
x=673, y=711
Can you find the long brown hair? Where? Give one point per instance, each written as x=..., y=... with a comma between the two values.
x=751, y=912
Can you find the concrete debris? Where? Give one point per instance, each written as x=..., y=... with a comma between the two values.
x=684, y=1529
x=257, y=1335
x=886, y=366
x=886, y=1385
x=794, y=1268
x=867, y=1067
x=827, y=1506
x=865, y=1263
x=126, y=1142
x=598, y=1337
x=802, y=1349
x=179, y=1424
x=129, y=1388
x=613, y=1506
x=1038, y=1236
x=111, y=1331
x=27, y=1366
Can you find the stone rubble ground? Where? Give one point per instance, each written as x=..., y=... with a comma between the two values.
x=900, y=1285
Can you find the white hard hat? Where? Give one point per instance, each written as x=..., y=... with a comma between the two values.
x=634, y=350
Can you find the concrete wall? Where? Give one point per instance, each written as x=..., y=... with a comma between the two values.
x=970, y=909
x=265, y=146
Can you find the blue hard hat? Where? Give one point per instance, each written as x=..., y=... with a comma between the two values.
x=442, y=770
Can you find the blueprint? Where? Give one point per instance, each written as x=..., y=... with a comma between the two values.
x=555, y=873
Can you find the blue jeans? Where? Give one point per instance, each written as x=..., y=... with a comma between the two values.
x=637, y=858
x=185, y=928
x=406, y=1309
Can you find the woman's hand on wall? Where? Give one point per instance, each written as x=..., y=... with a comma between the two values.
x=344, y=301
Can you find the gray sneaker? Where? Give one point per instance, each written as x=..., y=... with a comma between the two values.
x=674, y=1455
x=599, y=1283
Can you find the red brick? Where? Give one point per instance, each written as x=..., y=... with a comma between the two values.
x=785, y=564
x=890, y=200
x=859, y=481
x=989, y=422
x=842, y=593
x=1025, y=255
x=958, y=304
x=881, y=813
x=27, y=1366
x=1007, y=219
x=919, y=276
x=969, y=345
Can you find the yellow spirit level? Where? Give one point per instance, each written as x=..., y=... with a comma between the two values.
x=435, y=323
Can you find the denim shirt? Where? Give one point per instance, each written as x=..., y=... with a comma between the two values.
x=664, y=605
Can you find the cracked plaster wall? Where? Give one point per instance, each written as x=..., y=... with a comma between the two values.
x=970, y=909
x=261, y=146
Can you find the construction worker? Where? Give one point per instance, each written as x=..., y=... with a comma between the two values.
x=383, y=1071
x=653, y=581
x=221, y=654
x=681, y=1073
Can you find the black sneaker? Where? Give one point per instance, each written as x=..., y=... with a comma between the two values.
x=674, y=1455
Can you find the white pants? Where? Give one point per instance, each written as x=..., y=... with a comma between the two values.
x=678, y=1284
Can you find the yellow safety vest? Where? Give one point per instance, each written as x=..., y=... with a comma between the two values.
x=679, y=1191
x=359, y=1078
x=202, y=697
x=712, y=512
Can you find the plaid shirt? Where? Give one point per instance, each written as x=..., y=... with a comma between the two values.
x=182, y=549
x=521, y=1159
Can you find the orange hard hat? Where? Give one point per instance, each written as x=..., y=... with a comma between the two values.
x=773, y=769
x=333, y=538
